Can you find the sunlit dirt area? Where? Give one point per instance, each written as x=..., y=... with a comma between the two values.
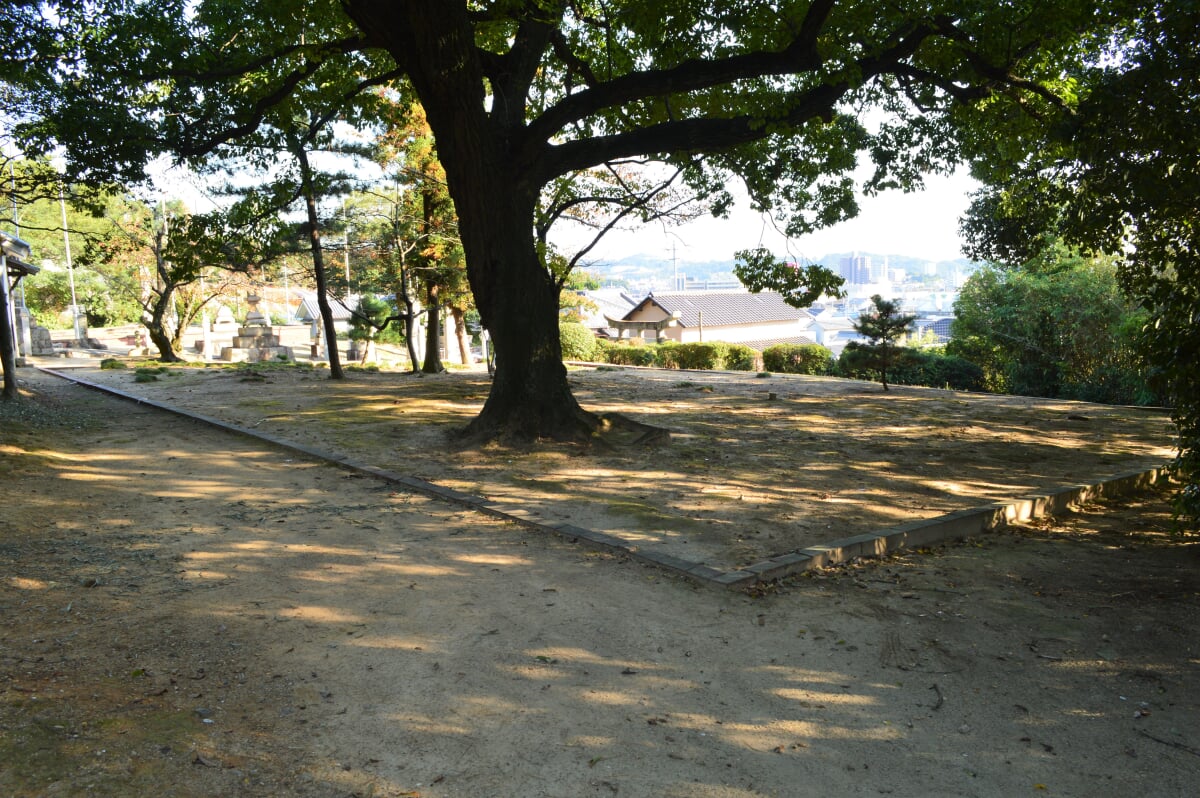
x=754, y=467
x=185, y=612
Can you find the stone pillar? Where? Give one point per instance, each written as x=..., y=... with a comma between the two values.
x=24, y=330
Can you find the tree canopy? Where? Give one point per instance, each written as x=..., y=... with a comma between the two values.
x=1058, y=326
x=520, y=95
x=1118, y=171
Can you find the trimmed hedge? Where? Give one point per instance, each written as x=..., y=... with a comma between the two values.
x=918, y=367
x=710, y=356
x=624, y=353
x=797, y=359
x=740, y=357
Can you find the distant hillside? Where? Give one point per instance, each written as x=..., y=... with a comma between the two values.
x=655, y=268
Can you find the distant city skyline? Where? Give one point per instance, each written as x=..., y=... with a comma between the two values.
x=921, y=225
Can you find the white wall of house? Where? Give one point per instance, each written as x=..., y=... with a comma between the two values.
x=728, y=333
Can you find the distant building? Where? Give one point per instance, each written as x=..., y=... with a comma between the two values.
x=757, y=320
x=716, y=282
x=833, y=332
x=938, y=327
x=340, y=309
x=856, y=269
x=606, y=303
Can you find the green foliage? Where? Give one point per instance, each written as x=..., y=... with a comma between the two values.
x=797, y=358
x=856, y=363
x=1058, y=326
x=740, y=357
x=578, y=342
x=581, y=280
x=937, y=370
x=112, y=363
x=369, y=315
x=707, y=356
x=883, y=326
x=1117, y=173
x=911, y=367
x=105, y=303
x=800, y=286
x=150, y=373
x=625, y=353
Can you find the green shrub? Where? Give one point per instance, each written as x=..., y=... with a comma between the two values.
x=578, y=342
x=939, y=371
x=915, y=367
x=705, y=356
x=797, y=358
x=666, y=355
x=740, y=357
x=711, y=356
x=112, y=363
x=625, y=353
x=855, y=363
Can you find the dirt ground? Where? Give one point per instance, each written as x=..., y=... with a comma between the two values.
x=192, y=613
x=754, y=467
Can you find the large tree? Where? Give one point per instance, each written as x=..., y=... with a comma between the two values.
x=1119, y=172
x=1057, y=325
x=522, y=93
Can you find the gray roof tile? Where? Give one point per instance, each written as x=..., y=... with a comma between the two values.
x=724, y=307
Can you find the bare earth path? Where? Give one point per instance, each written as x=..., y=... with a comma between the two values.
x=184, y=612
x=754, y=467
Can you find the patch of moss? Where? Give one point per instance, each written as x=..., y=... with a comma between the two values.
x=645, y=513
x=51, y=748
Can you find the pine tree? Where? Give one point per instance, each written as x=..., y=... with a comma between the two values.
x=882, y=327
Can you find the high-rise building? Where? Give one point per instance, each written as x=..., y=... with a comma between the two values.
x=856, y=269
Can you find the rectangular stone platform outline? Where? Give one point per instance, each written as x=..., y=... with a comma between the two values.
x=951, y=526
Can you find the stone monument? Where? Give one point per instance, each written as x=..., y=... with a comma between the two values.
x=256, y=341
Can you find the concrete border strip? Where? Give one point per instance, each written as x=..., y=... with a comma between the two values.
x=922, y=532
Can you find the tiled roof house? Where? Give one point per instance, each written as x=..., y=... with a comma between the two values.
x=758, y=320
x=609, y=303
x=340, y=307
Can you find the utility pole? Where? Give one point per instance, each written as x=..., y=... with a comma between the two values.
x=62, y=203
x=346, y=247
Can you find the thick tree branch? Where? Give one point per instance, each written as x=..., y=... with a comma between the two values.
x=251, y=121
x=341, y=46
x=686, y=135
x=694, y=75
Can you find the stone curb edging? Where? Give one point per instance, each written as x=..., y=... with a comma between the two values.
x=922, y=532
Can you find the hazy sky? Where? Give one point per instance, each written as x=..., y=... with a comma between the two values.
x=920, y=225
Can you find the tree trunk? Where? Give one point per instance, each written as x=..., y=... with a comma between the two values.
x=433, y=332
x=460, y=331
x=404, y=296
x=8, y=355
x=494, y=185
x=518, y=304
x=314, y=243
x=154, y=319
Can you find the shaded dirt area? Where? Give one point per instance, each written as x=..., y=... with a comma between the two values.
x=755, y=467
x=185, y=612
